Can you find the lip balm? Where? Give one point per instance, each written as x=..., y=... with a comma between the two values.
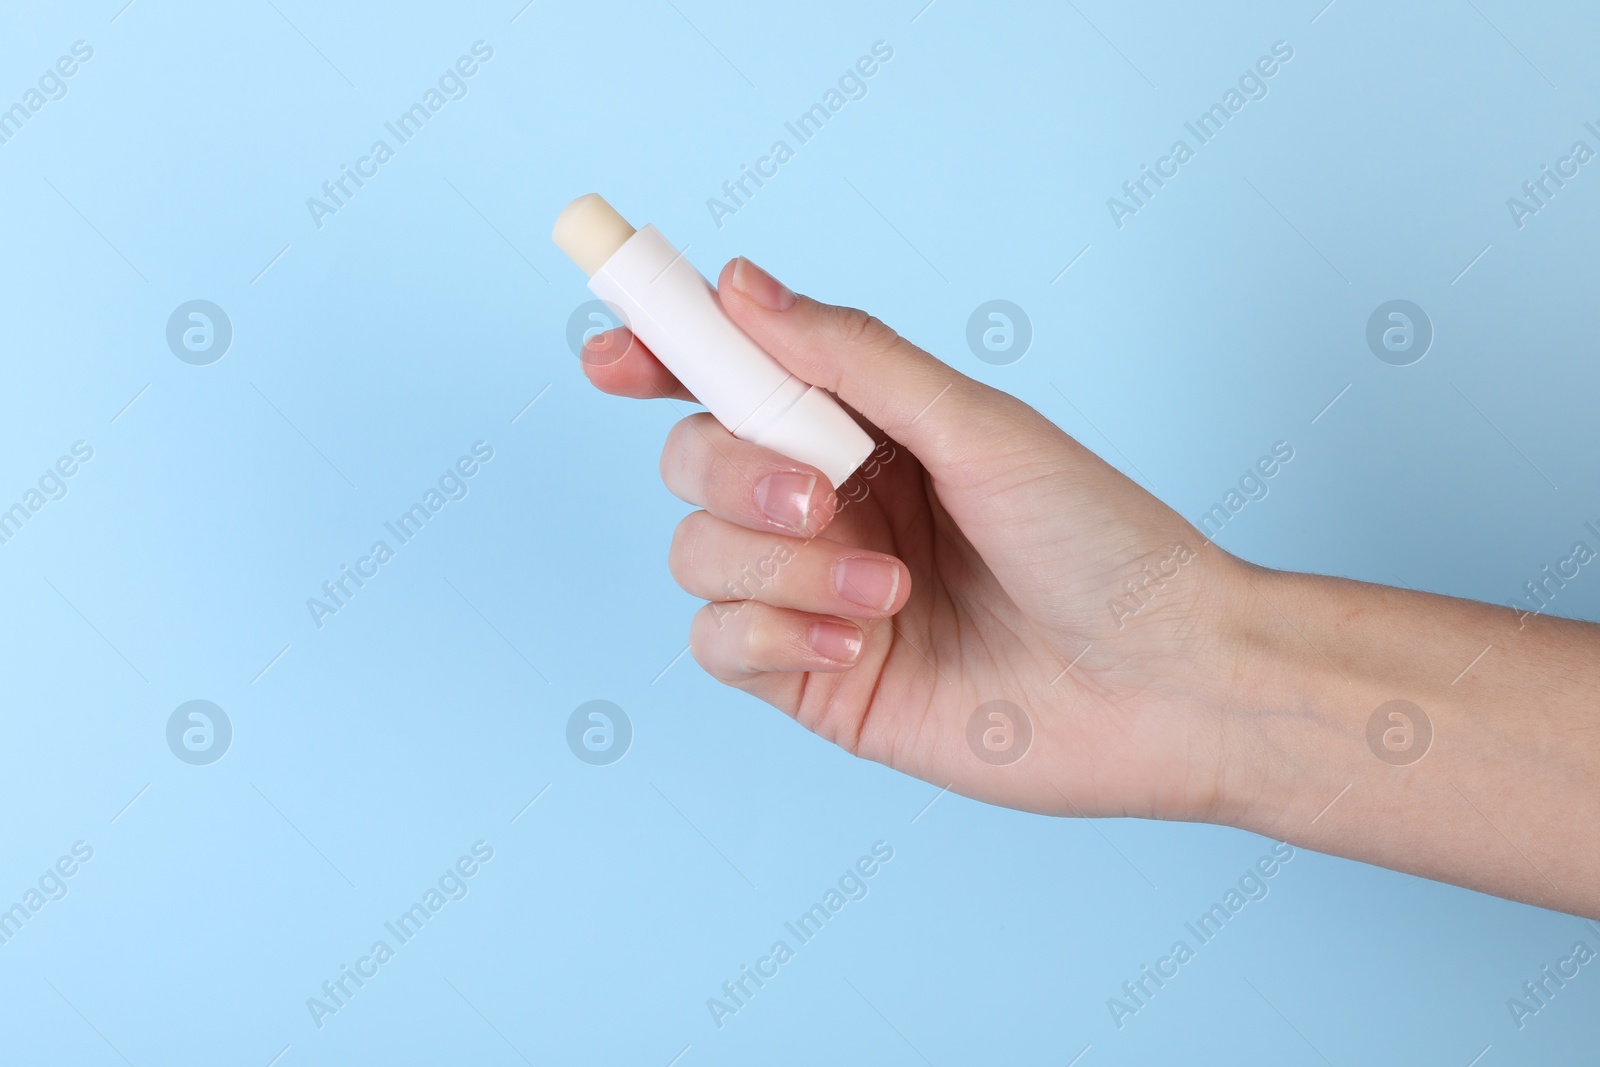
x=670, y=307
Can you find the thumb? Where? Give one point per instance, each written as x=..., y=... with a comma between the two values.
x=948, y=420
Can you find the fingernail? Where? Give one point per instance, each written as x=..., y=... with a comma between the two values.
x=785, y=498
x=761, y=287
x=871, y=583
x=837, y=641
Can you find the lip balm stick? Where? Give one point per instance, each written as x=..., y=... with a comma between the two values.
x=674, y=310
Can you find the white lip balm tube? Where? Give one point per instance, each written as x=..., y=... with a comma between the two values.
x=675, y=311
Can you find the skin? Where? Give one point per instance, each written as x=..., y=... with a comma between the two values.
x=984, y=555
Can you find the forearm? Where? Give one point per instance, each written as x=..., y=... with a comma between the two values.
x=1505, y=795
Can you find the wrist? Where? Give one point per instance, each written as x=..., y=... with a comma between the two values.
x=1413, y=731
x=1342, y=686
x=1273, y=695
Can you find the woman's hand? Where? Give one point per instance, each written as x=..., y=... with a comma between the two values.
x=982, y=555
x=988, y=606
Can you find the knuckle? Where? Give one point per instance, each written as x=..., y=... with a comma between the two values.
x=860, y=329
x=673, y=451
x=702, y=637
x=685, y=456
x=752, y=638
x=686, y=537
x=708, y=641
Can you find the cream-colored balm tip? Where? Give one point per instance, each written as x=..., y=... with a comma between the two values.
x=590, y=231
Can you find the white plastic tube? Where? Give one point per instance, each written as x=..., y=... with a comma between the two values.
x=673, y=310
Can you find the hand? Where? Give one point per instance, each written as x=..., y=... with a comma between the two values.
x=982, y=555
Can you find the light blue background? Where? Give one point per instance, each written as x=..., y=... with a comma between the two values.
x=430, y=311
